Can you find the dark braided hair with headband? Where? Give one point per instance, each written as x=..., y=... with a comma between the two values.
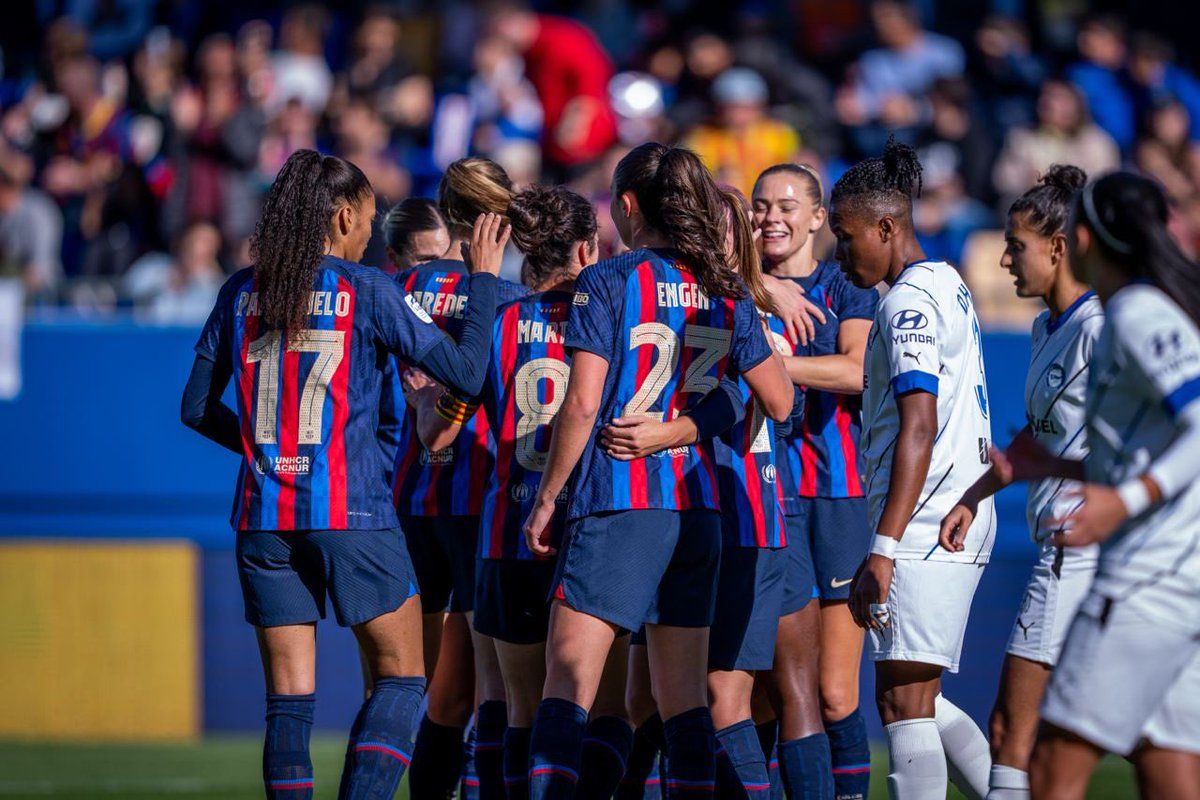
x=1127, y=215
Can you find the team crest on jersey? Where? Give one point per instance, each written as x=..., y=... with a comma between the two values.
x=909, y=320
x=520, y=492
x=416, y=308
x=437, y=458
x=768, y=473
x=1055, y=376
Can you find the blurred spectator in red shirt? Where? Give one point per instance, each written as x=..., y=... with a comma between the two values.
x=570, y=71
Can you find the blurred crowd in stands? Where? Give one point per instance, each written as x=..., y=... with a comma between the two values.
x=137, y=137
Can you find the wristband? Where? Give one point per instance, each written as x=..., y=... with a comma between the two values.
x=884, y=546
x=1134, y=495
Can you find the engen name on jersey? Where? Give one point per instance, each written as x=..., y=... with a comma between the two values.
x=529, y=330
x=682, y=295
x=320, y=304
x=441, y=304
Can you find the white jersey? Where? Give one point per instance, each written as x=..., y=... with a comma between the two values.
x=926, y=337
x=1145, y=369
x=1055, y=400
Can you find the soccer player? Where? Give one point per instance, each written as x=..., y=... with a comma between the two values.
x=1128, y=678
x=439, y=494
x=753, y=562
x=826, y=510
x=651, y=332
x=925, y=441
x=303, y=334
x=1064, y=337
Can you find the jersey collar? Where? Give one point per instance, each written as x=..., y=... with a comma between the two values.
x=1058, y=322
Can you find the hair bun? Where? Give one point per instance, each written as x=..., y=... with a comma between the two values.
x=1064, y=177
x=534, y=214
x=902, y=167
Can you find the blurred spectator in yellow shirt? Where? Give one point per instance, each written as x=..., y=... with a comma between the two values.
x=742, y=140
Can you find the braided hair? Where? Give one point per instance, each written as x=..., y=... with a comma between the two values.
x=887, y=183
x=289, y=238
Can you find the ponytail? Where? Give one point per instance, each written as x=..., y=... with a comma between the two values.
x=1128, y=215
x=744, y=252
x=289, y=239
x=679, y=199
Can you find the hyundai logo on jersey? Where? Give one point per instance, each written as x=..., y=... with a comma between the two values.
x=909, y=320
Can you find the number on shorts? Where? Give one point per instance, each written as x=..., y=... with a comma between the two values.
x=533, y=412
x=713, y=344
x=329, y=347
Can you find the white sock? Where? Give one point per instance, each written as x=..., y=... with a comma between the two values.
x=1008, y=783
x=968, y=758
x=918, y=763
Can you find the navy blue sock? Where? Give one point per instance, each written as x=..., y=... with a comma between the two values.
x=691, y=754
x=767, y=733
x=287, y=767
x=516, y=763
x=555, y=749
x=741, y=766
x=438, y=757
x=381, y=740
x=468, y=784
x=606, y=746
x=851, y=756
x=805, y=765
x=642, y=765
x=490, y=722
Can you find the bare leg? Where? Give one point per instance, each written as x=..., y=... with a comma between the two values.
x=1013, y=724
x=1167, y=773
x=1062, y=764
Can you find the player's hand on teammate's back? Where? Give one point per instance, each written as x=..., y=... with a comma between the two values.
x=634, y=436
x=1098, y=514
x=1023, y=460
x=955, y=526
x=537, y=528
x=870, y=586
x=488, y=239
x=795, y=309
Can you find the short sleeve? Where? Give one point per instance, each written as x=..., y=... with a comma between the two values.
x=1166, y=351
x=214, y=341
x=909, y=330
x=749, y=347
x=851, y=302
x=592, y=323
x=401, y=325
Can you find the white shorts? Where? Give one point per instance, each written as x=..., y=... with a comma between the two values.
x=1061, y=579
x=929, y=603
x=1124, y=675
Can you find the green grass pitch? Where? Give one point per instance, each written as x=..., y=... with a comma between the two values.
x=229, y=767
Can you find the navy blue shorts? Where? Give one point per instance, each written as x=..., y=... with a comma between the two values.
x=443, y=551
x=749, y=599
x=800, y=582
x=512, y=599
x=839, y=538
x=286, y=575
x=645, y=565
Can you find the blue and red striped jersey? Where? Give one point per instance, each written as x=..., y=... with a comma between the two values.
x=667, y=344
x=751, y=491
x=450, y=481
x=524, y=388
x=823, y=453
x=308, y=402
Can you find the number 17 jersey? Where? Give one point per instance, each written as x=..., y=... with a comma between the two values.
x=667, y=344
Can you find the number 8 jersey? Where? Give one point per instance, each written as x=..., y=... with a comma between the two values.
x=667, y=344
x=308, y=402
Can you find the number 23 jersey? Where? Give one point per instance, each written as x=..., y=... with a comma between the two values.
x=926, y=338
x=667, y=344
x=308, y=402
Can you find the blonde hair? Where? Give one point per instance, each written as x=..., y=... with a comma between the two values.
x=470, y=187
x=816, y=189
